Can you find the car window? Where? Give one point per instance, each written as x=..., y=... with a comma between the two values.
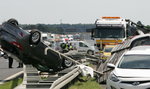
x=82, y=45
x=135, y=62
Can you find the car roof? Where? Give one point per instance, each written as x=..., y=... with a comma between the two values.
x=142, y=50
x=140, y=36
x=129, y=42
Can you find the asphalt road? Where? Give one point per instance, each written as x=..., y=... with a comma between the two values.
x=6, y=72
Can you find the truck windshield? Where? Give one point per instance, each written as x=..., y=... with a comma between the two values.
x=115, y=32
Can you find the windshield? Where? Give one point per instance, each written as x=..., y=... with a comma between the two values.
x=135, y=62
x=115, y=32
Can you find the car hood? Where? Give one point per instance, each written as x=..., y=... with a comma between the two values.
x=134, y=73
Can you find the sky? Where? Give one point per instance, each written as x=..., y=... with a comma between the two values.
x=73, y=11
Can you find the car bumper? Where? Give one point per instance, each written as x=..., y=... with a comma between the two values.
x=127, y=85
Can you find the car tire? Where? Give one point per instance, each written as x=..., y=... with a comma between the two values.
x=35, y=37
x=90, y=52
x=67, y=63
x=13, y=22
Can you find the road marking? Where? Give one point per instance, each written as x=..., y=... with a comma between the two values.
x=11, y=77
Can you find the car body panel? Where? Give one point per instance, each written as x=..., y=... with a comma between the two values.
x=121, y=49
x=129, y=78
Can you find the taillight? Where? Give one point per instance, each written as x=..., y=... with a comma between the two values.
x=17, y=45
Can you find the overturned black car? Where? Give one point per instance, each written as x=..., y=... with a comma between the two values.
x=28, y=48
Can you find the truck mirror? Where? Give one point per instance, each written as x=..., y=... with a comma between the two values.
x=92, y=38
x=92, y=34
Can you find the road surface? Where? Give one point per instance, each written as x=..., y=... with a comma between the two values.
x=6, y=72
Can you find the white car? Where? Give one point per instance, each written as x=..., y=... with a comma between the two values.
x=132, y=70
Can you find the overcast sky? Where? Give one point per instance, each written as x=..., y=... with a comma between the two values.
x=73, y=11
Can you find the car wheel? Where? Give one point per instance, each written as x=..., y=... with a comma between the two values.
x=67, y=63
x=35, y=37
x=90, y=52
x=13, y=21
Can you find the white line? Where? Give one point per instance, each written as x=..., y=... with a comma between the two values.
x=11, y=77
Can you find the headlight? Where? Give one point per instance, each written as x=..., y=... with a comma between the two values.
x=114, y=78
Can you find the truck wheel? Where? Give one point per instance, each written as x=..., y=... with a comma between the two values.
x=35, y=37
x=67, y=63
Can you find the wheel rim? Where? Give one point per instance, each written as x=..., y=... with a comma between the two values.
x=68, y=63
x=35, y=37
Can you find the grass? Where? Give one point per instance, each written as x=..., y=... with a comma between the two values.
x=11, y=84
x=89, y=84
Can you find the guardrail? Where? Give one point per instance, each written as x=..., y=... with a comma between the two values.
x=32, y=79
x=66, y=78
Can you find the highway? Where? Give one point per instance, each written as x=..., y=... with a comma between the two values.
x=6, y=72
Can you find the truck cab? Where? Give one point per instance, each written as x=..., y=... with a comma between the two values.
x=112, y=31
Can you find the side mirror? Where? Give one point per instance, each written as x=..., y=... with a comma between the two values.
x=92, y=37
x=111, y=66
x=92, y=34
x=127, y=32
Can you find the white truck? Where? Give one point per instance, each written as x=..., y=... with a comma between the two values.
x=112, y=30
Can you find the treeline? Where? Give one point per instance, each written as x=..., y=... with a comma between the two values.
x=64, y=28
x=59, y=28
x=148, y=26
